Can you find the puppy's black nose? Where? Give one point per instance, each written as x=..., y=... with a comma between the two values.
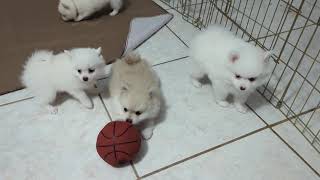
x=242, y=88
x=129, y=121
x=85, y=78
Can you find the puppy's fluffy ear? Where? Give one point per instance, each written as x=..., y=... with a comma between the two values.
x=152, y=92
x=234, y=56
x=267, y=55
x=67, y=52
x=99, y=50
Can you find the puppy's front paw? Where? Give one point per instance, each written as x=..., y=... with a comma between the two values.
x=52, y=109
x=241, y=108
x=87, y=104
x=114, y=12
x=196, y=83
x=147, y=134
x=223, y=103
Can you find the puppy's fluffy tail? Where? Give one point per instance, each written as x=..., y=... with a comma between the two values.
x=35, y=67
x=132, y=58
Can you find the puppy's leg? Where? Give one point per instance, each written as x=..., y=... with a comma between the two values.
x=45, y=98
x=220, y=93
x=196, y=76
x=116, y=6
x=83, y=98
x=239, y=102
x=147, y=132
x=82, y=16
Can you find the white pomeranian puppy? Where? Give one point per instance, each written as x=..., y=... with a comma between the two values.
x=74, y=71
x=78, y=10
x=135, y=92
x=234, y=66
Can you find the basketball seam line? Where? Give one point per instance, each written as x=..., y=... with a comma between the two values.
x=115, y=152
x=117, y=144
x=124, y=131
x=105, y=136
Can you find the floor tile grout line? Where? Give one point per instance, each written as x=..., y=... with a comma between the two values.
x=295, y=152
x=177, y=36
x=105, y=107
x=204, y=152
x=270, y=126
x=16, y=101
x=134, y=170
x=166, y=62
x=257, y=115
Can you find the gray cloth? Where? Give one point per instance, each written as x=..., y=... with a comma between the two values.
x=142, y=28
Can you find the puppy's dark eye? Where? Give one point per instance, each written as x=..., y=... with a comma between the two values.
x=91, y=70
x=138, y=113
x=125, y=109
x=252, y=79
x=79, y=71
x=237, y=76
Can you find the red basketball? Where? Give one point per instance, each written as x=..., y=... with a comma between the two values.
x=118, y=142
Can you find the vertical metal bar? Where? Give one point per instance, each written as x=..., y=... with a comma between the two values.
x=211, y=11
x=316, y=136
x=274, y=43
x=255, y=20
x=268, y=29
x=265, y=15
x=249, y=17
x=315, y=85
x=244, y=12
x=221, y=8
x=230, y=16
x=307, y=124
x=236, y=18
x=296, y=69
x=282, y=49
x=204, y=14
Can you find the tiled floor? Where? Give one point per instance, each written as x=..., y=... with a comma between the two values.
x=196, y=139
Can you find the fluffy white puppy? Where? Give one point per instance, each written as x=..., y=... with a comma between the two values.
x=234, y=66
x=135, y=92
x=45, y=74
x=78, y=10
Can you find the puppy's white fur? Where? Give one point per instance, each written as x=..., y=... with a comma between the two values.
x=234, y=66
x=135, y=91
x=78, y=10
x=72, y=71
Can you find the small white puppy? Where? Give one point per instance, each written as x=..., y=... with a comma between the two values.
x=78, y=10
x=74, y=71
x=234, y=66
x=135, y=92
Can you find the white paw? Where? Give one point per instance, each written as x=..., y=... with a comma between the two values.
x=114, y=12
x=87, y=104
x=223, y=103
x=52, y=109
x=147, y=134
x=196, y=83
x=241, y=108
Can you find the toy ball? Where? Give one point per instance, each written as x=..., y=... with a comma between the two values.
x=118, y=143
